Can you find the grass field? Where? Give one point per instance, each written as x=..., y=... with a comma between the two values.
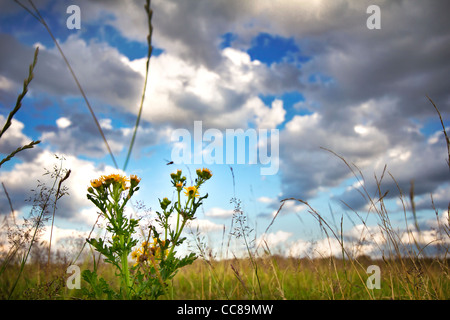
x=279, y=279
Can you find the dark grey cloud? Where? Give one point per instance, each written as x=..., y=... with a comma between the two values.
x=81, y=138
x=380, y=79
x=193, y=28
x=99, y=69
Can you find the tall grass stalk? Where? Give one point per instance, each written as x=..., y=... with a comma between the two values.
x=243, y=231
x=59, y=191
x=209, y=260
x=17, y=107
x=37, y=15
x=447, y=140
x=15, y=247
x=149, y=12
x=42, y=203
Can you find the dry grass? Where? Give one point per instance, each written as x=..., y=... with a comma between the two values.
x=281, y=278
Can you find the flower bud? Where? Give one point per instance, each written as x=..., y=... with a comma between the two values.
x=134, y=180
x=206, y=173
x=164, y=203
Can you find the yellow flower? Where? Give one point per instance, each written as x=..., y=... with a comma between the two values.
x=134, y=179
x=107, y=179
x=206, y=173
x=136, y=254
x=191, y=191
x=149, y=251
x=115, y=178
x=96, y=183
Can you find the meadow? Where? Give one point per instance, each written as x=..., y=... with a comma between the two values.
x=28, y=269
x=405, y=272
x=279, y=278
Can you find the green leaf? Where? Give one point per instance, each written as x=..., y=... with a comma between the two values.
x=99, y=287
x=108, y=252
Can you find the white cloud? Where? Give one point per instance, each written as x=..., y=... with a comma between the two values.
x=223, y=97
x=375, y=241
x=287, y=207
x=60, y=236
x=266, y=200
x=270, y=118
x=24, y=177
x=299, y=248
x=219, y=213
x=272, y=240
x=119, y=85
x=204, y=225
x=294, y=206
x=64, y=241
x=6, y=84
x=63, y=122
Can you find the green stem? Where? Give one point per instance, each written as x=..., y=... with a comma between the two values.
x=178, y=212
x=165, y=226
x=125, y=270
x=178, y=231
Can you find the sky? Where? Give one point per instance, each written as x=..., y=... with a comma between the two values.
x=314, y=83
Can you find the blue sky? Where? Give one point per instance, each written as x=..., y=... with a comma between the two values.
x=312, y=71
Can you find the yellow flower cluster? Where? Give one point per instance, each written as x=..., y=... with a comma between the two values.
x=143, y=253
x=205, y=173
x=106, y=180
x=191, y=192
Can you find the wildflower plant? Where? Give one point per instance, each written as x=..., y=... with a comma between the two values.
x=155, y=262
x=110, y=194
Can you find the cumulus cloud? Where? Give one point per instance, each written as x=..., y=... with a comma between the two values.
x=366, y=89
x=372, y=241
x=25, y=177
x=178, y=92
x=407, y=166
x=78, y=135
x=219, y=213
x=277, y=208
x=272, y=240
x=204, y=225
x=224, y=97
x=106, y=78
